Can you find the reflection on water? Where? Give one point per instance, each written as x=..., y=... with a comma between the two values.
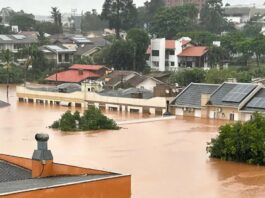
x=166, y=159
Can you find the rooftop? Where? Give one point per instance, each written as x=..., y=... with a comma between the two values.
x=257, y=102
x=73, y=76
x=17, y=39
x=136, y=80
x=231, y=94
x=29, y=184
x=194, y=51
x=10, y=172
x=87, y=67
x=191, y=96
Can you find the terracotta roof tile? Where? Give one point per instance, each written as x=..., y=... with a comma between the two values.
x=72, y=76
x=87, y=67
x=195, y=51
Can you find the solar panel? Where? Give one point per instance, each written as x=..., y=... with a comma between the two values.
x=5, y=38
x=238, y=93
x=257, y=102
x=19, y=37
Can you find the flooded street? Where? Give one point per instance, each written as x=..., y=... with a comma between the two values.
x=166, y=159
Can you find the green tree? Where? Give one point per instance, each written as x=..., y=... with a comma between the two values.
x=48, y=27
x=216, y=76
x=93, y=119
x=217, y=56
x=25, y=22
x=57, y=19
x=7, y=58
x=140, y=41
x=185, y=77
x=169, y=21
x=241, y=142
x=121, y=14
x=200, y=37
x=67, y=122
x=258, y=47
x=212, y=17
x=91, y=21
x=149, y=10
x=120, y=55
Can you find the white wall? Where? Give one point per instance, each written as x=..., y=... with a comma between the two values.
x=148, y=84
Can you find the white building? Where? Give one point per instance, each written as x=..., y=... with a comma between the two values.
x=170, y=55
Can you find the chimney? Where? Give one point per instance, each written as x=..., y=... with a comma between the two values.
x=42, y=159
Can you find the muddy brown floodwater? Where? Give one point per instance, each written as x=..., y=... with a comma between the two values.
x=167, y=159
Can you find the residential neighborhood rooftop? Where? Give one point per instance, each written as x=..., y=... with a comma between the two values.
x=17, y=39
x=191, y=96
x=87, y=67
x=193, y=51
x=231, y=94
x=74, y=76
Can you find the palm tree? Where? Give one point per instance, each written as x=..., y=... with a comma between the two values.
x=7, y=58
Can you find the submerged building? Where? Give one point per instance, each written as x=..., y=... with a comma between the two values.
x=41, y=177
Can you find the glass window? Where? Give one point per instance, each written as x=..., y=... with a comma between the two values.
x=155, y=52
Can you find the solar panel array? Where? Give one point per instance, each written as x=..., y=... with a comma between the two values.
x=257, y=102
x=5, y=38
x=238, y=93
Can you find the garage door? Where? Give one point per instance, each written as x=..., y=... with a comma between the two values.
x=179, y=112
x=198, y=113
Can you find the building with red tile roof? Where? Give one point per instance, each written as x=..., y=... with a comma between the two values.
x=72, y=76
x=167, y=55
x=194, y=56
x=194, y=51
x=78, y=73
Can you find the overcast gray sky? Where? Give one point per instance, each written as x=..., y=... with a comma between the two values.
x=42, y=7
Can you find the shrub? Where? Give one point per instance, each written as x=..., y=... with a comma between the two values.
x=93, y=119
x=241, y=142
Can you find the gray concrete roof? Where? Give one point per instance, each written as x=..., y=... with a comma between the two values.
x=14, y=179
x=191, y=96
x=126, y=93
x=217, y=97
x=44, y=183
x=21, y=39
x=9, y=172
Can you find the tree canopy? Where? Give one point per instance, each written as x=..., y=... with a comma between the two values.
x=167, y=22
x=121, y=14
x=241, y=142
x=92, y=119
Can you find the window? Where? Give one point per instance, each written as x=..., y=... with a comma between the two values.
x=66, y=57
x=60, y=58
x=171, y=52
x=155, y=52
x=155, y=64
x=172, y=64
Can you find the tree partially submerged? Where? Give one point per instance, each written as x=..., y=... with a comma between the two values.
x=92, y=119
x=241, y=142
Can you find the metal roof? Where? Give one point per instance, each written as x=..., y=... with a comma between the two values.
x=17, y=39
x=191, y=96
x=10, y=172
